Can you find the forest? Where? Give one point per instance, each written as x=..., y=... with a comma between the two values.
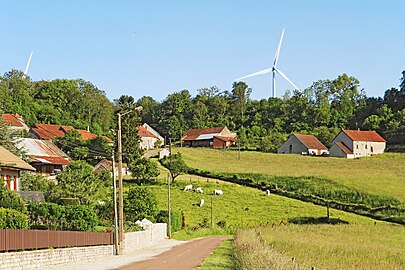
x=322, y=109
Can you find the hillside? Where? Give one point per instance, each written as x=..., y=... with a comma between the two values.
x=382, y=175
x=240, y=206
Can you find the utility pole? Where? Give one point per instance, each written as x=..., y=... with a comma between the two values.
x=120, y=191
x=121, y=197
x=115, y=206
x=169, y=219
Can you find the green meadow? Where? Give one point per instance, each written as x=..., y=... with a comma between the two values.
x=382, y=175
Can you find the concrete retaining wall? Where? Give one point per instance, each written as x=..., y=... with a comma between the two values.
x=136, y=240
x=41, y=259
x=47, y=257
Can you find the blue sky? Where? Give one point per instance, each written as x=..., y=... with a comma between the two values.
x=155, y=48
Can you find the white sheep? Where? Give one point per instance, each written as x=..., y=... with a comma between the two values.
x=218, y=192
x=201, y=202
x=267, y=192
x=199, y=190
x=188, y=187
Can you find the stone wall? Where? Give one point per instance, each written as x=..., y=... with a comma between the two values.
x=47, y=257
x=136, y=240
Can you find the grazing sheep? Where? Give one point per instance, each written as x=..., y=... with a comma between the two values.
x=201, y=202
x=188, y=187
x=199, y=190
x=218, y=192
x=267, y=192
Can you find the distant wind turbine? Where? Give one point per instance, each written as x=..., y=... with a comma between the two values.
x=274, y=69
x=28, y=65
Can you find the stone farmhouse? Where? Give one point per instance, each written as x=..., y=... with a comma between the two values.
x=149, y=138
x=357, y=143
x=216, y=137
x=304, y=145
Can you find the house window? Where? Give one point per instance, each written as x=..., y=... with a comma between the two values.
x=357, y=146
x=372, y=149
x=366, y=146
x=290, y=148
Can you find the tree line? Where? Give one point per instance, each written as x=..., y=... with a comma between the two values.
x=321, y=109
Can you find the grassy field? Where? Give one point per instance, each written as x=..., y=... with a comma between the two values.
x=379, y=175
x=239, y=207
x=323, y=246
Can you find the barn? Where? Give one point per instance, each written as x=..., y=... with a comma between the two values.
x=304, y=145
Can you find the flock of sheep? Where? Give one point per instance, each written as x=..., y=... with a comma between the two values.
x=216, y=192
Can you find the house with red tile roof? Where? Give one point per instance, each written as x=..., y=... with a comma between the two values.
x=148, y=139
x=357, y=143
x=45, y=156
x=304, y=145
x=216, y=137
x=15, y=121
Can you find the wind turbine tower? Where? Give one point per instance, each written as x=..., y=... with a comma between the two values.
x=274, y=69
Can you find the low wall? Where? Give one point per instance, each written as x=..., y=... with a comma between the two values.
x=47, y=257
x=136, y=240
x=43, y=258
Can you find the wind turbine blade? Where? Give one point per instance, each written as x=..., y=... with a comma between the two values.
x=288, y=80
x=278, y=49
x=264, y=71
x=28, y=64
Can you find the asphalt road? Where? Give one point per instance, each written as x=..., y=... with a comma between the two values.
x=182, y=257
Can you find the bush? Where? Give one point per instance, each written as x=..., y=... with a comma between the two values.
x=10, y=199
x=79, y=218
x=139, y=203
x=175, y=217
x=12, y=219
x=50, y=215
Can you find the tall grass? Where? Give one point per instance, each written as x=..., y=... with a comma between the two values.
x=252, y=252
x=326, y=246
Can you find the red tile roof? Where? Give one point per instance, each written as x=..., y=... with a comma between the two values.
x=86, y=135
x=226, y=139
x=143, y=132
x=50, y=160
x=310, y=141
x=193, y=134
x=344, y=148
x=13, y=120
x=47, y=131
x=362, y=135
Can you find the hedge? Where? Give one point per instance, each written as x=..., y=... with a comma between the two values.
x=175, y=217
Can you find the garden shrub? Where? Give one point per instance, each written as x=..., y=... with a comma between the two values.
x=12, y=219
x=10, y=199
x=50, y=215
x=79, y=218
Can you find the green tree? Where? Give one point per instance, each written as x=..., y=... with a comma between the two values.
x=140, y=203
x=175, y=164
x=78, y=181
x=144, y=169
x=33, y=182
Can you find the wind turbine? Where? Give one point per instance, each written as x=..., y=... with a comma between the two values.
x=274, y=69
x=28, y=65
